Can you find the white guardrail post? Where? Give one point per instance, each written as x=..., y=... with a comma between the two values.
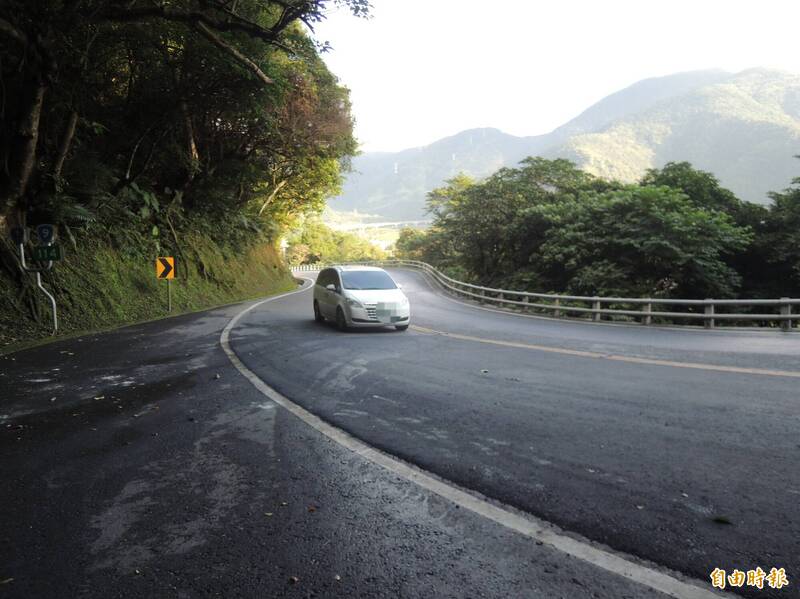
x=647, y=319
x=633, y=308
x=709, y=311
x=786, y=310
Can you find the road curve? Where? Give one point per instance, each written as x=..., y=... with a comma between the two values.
x=140, y=463
x=691, y=468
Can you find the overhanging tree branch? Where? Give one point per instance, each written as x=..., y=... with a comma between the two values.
x=129, y=15
x=272, y=195
x=225, y=46
x=210, y=27
x=66, y=142
x=8, y=30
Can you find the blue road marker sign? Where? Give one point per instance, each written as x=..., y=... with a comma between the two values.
x=45, y=233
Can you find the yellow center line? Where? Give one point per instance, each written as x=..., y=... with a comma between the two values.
x=615, y=358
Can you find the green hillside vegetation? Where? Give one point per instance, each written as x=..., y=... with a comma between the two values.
x=98, y=287
x=202, y=130
x=549, y=226
x=744, y=128
x=393, y=185
x=315, y=242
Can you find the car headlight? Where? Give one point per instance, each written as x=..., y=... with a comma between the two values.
x=353, y=303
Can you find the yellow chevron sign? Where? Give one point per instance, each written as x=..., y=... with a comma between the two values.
x=165, y=267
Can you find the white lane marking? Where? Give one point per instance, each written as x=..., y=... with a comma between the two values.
x=527, y=525
x=612, y=357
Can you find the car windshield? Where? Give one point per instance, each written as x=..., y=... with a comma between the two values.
x=367, y=279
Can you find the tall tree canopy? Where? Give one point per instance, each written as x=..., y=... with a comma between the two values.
x=547, y=226
x=780, y=242
x=156, y=107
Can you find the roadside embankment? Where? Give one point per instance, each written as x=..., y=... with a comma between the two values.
x=99, y=286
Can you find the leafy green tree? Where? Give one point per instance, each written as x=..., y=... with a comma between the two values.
x=411, y=244
x=298, y=253
x=315, y=242
x=702, y=188
x=704, y=191
x=548, y=226
x=484, y=226
x=434, y=246
x=225, y=105
x=780, y=241
x=642, y=241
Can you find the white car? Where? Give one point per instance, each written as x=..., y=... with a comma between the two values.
x=360, y=296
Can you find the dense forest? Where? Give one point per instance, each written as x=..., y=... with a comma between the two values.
x=315, y=242
x=549, y=226
x=193, y=128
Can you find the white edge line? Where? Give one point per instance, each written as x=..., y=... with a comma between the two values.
x=528, y=525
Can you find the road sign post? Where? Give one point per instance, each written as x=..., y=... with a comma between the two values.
x=165, y=269
x=46, y=252
x=19, y=235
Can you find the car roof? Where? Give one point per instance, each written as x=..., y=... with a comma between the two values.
x=351, y=267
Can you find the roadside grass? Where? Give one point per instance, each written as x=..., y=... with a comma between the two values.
x=99, y=288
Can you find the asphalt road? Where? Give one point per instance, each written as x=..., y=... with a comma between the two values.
x=141, y=463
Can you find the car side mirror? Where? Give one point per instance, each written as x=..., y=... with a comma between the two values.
x=399, y=285
x=330, y=287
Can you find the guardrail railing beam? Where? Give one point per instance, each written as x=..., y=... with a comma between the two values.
x=563, y=305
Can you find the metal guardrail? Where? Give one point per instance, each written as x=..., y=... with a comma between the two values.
x=563, y=305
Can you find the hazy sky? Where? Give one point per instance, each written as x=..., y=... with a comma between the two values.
x=420, y=70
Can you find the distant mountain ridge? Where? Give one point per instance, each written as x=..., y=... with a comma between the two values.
x=743, y=127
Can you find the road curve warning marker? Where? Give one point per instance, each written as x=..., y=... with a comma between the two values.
x=165, y=267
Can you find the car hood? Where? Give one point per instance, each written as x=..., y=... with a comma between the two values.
x=375, y=296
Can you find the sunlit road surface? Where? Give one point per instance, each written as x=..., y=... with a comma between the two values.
x=143, y=463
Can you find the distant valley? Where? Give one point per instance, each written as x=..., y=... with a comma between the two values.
x=743, y=127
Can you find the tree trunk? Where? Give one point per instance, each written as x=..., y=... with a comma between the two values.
x=178, y=77
x=66, y=142
x=272, y=195
x=191, y=145
x=26, y=138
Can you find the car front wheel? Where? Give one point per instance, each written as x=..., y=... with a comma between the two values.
x=341, y=321
x=317, y=314
x=401, y=327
